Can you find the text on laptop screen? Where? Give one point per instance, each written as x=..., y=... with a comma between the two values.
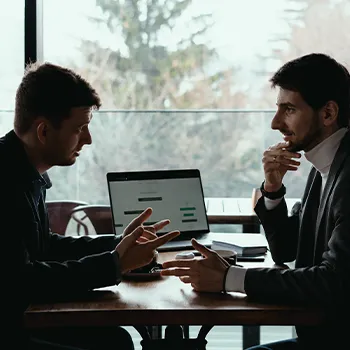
x=180, y=200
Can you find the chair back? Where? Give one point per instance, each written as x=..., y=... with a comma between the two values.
x=59, y=212
x=93, y=219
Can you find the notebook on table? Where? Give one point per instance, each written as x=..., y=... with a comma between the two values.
x=176, y=195
x=244, y=244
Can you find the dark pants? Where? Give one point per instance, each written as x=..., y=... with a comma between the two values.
x=81, y=338
x=290, y=344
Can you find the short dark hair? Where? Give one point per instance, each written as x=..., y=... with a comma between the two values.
x=51, y=91
x=318, y=78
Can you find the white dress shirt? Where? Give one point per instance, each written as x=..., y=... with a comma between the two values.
x=321, y=157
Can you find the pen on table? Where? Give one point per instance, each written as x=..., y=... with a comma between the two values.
x=196, y=253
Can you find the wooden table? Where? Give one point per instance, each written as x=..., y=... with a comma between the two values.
x=165, y=301
x=236, y=211
x=232, y=211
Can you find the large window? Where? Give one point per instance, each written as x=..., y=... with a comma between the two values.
x=12, y=55
x=196, y=54
x=183, y=82
x=170, y=54
x=193, y=78
x=225, y=145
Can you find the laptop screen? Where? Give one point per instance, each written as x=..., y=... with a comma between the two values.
x=172, y=194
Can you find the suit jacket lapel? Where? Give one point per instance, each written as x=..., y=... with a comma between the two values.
x=308, y=220
x=332, y=177
x=305, y=200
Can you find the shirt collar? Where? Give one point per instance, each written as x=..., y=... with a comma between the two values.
x=24, y=169
x=47, y=180
x=321, y=156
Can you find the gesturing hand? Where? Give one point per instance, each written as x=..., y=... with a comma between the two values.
x=277, y=161
x=149, y=230
x=205, y=274
x=137, y=248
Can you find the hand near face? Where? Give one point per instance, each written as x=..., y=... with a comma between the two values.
x=277, y=160
x=137, y=248
x=205, y=274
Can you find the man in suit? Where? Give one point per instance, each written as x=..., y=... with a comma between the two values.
x=313, y=109
x=53, y=110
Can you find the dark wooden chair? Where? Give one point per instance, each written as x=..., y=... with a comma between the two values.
x=93, y=219
x=59, y=212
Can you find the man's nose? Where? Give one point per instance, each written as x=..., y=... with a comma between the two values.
x=88, y=138
x=277, y=121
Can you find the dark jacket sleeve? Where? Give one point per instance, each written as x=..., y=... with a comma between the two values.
x=30, y=273
x=63, y=248
x=326, y=283
x=281, y=229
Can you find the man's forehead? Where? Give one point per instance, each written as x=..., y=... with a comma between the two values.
x=82, y=110
x=288, y=96
x=81, y=113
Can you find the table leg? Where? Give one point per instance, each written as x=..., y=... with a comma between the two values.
x=175, y=332
x=174, y=338
x=186, y=330
x=203, y=332
x=251, y=336
x=155, y=331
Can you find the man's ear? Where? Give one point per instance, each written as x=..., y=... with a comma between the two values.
x=41, y=131
x=330, y=113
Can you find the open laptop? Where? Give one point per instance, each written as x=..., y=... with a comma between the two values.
x=176, y=195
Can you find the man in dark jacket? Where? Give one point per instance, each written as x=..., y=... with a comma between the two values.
x=53, y=110
x=313, y=110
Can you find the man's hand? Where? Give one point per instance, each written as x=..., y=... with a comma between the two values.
x=277, y=161
x=138, y=246
x=149, y=231
x=205, y=274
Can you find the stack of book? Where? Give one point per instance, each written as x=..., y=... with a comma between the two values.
x=244, y=244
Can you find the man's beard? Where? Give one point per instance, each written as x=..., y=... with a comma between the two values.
x=311, y=139
x=309, y=142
